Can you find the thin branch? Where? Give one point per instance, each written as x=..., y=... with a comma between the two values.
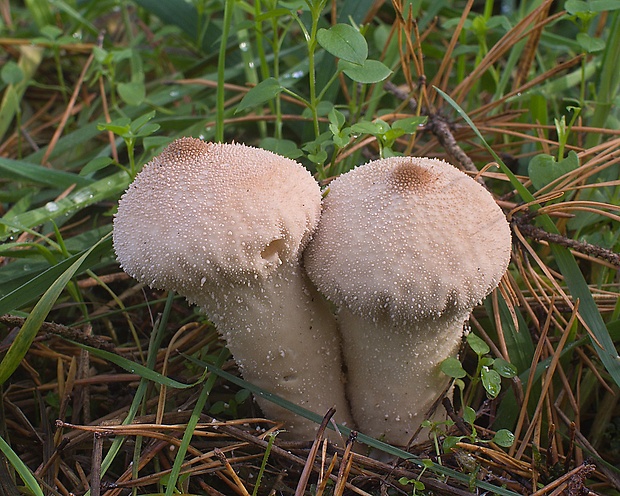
x=589, y=249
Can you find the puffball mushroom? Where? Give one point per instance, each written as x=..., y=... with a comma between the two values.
x=224, y=225
x=405, y=248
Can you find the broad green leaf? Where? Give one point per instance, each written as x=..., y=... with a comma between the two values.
x=478, y=346
x=284, y=147
x=95, y=165
x=11, y=73
x=51, y=32
x=410, y=124
x=452, y=367
x=576, y=7
x=491, y=381
x=504, y=368
x=345, y=42
x=138, y=124
x=589, y=43
x=132, y=93
x=449, y=443
x=469, y=415
x=263, y=92
x=120, y=127
x=544, y=169
x=504, y=438
x=367, y=127
x=371, y=71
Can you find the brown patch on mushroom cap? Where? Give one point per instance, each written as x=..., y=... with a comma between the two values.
x=407, y=175
x=406, y=239
x=205, y=211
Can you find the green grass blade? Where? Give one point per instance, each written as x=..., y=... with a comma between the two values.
x=575, y=281
x=37, y=285
x=28, y=332
x=21, y=171
x=608, y=83
x=136, y=368
x=21, y=468
x=100, y=190
x=191, y=425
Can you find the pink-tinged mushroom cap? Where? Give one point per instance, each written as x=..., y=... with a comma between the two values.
x=201, y=212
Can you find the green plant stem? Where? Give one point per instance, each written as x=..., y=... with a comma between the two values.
x=316, y=8
x=221, y=68
x=263, y=466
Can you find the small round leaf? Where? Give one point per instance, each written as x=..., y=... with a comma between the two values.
x=504, y=438
x=11, y=73
x=478, y=346
x=132, y=93
x=345, y=42
x=491, y=381
x=371, y=71
x=453, y=368
x=504, y=368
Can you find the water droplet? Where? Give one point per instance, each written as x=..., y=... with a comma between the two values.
x=51, y=207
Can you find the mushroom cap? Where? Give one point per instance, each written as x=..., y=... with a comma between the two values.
x=201, y=212
x=408, y=238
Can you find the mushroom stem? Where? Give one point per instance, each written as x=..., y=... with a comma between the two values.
x=289, y=345
x=394, y=377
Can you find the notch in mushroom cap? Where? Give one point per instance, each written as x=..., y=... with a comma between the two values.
x=405, y=247
x=225, y=225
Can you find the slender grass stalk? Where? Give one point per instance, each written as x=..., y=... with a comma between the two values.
x=221, y=70
x=191, y=425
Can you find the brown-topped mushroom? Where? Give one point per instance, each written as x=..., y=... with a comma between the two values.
x=224, y=225
x=405, y=248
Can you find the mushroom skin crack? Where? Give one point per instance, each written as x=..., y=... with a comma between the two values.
x=405, y=248
x=225, y=225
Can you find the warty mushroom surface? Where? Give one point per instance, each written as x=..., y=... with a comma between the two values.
x=224, y=225
x=405, y=248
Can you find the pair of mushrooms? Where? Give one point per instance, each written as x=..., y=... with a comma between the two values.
x=403, y=247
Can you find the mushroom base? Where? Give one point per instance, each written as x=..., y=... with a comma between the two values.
x=393, y=371
x=285, y=339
